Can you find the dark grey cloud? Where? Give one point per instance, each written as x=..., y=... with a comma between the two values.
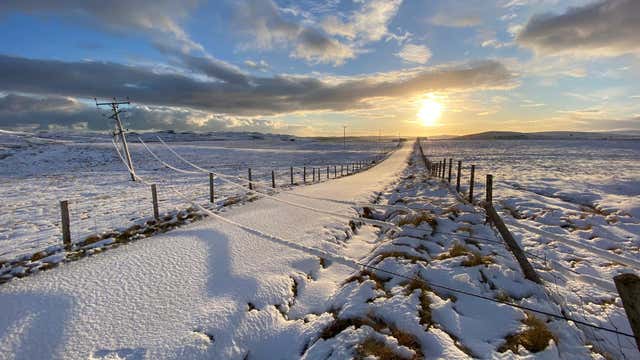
x=610, y=27
x=239, y=95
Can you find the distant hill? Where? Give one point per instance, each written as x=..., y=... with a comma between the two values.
x=550, y=135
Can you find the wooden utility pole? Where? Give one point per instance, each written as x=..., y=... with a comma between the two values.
x=344, y=136
x=120, y=130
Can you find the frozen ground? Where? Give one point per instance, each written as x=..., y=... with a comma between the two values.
x=37, y=171
x=548, y=191
x=213, y=290
x=206, y=290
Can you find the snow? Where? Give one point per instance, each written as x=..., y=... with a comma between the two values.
x=276, y=280
x=39, y=170
x=155, y=298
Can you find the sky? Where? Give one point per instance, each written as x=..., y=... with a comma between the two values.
x=408, y=67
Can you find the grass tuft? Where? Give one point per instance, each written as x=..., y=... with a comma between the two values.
x=534, y=338
x=417, y=219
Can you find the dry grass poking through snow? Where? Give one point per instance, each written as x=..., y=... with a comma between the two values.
x=474, y=258
x=534, y=338
x=425, y=302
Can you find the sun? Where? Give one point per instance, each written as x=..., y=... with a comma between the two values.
x=429, y=112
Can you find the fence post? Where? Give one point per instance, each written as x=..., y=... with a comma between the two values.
x=489, y=189
x=66, y=229
x=488, y=193
x=526, y=267
x=154, y=198
x=459, y=174
x=341, y=170
x=211, y=190
x=450, y=163
x=250, y=181
x=304, y=174
x=273, y=179
x=335, y=171
x=471, y=181
x=628, y=286
x=291, y=173
x=444, y=167
x=313, y=177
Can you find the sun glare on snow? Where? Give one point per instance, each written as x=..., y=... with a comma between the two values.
x=429, y=112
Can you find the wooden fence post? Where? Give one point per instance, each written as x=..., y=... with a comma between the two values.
x=335, y=171
x=273, y=179
x=313, y=178
x=628, y=286
x=291, y=174
x=327, y=173
x=450, y=163
x=489, y=189
x=488, y=193
x=526, y=267
x=304, y=174
x=341, y=170
x=211, y=189
x=154, y=198
x=250, y=181
x=459, y=174
x=66, y=227
x=444, y=167
x=471, y=182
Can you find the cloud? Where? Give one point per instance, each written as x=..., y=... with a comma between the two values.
x=158, y=18
x=265, y=23
x=603, y=28
x=414, y=53
x=257, y=65
x=463, y=13
x=369, y=23
x=460, y=20
x=231, y=93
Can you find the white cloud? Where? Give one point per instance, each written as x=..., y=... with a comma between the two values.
x=414, y=53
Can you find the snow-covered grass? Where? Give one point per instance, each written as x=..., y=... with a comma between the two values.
x=37, y=171
x=553, y=194
x=287, y=284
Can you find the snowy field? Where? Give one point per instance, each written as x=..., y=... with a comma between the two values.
x=553, y=192
x=38, y=171
x=271, y=280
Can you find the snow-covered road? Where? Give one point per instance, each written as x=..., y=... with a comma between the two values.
x=207, y=290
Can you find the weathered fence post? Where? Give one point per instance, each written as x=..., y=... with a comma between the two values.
x=335, y=171
x=489, y=189
x=291, y=174
x=341, y=170
x=450, y=163
x=471, y=182
x=444, y=167
x=273, y=179
x=66, y=227
x=459, y=174
x=211, y=189
x=250, y=181
x=154, y=198
x=628, y=286
x=304, y=174
x=327, y=173
x=313, y=177
x=526, y=267
x=488, y=193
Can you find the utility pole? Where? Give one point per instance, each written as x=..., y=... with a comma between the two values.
x=120, y=130
x=344, y=136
